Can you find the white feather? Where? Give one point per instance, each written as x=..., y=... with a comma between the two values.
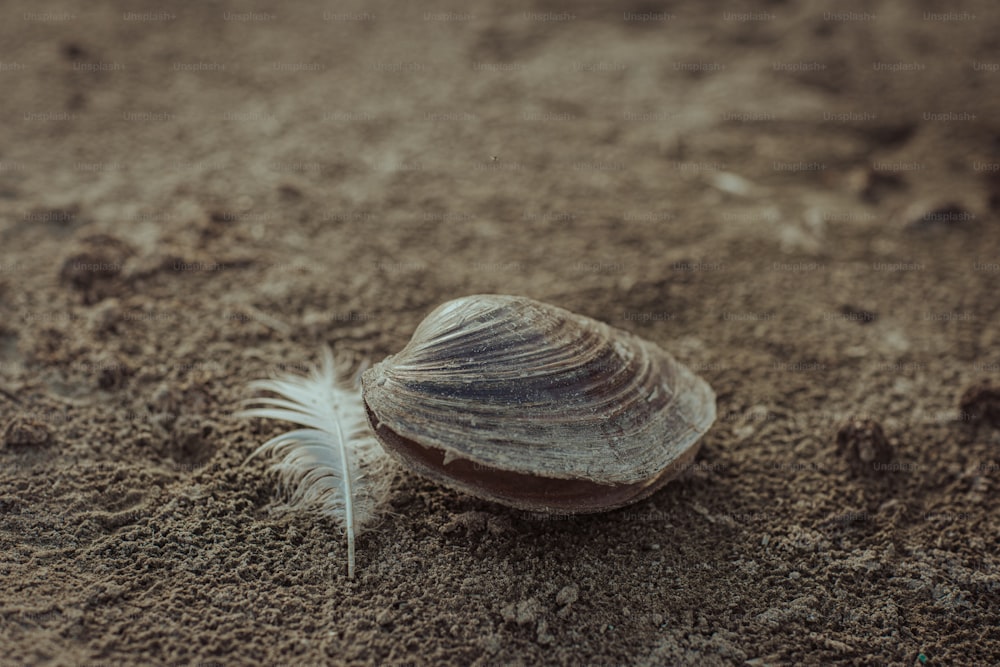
x=333, y=466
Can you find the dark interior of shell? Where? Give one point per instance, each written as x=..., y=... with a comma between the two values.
x=523, y=491
x=530, y=405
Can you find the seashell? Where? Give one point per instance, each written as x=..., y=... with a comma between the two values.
x=529, y=405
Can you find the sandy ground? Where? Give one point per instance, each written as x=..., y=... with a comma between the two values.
x=801, y=204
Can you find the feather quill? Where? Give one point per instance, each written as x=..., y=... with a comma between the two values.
x=333, y=466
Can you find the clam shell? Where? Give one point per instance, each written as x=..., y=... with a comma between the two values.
x=533, y=406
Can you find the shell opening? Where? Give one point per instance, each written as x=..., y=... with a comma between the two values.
x=530, y=492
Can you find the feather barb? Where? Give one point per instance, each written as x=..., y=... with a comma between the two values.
x=332, y=466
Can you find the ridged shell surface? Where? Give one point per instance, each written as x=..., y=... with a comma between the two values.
x=514, y=384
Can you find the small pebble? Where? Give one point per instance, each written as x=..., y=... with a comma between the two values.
x=863, y=443
x=873, y=186
x=922, y=218
x=568, y=595
x=98, y=258
x=733, y=184
x=980, y=403
x=526, y=612
x=111, y=372
x=22, y=432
